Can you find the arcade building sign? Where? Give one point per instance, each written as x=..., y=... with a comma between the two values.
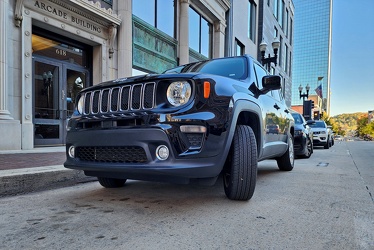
x=62, y=14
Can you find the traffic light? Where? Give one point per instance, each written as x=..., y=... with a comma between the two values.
x=307, y=110
x=316, y=115
x=312, y=105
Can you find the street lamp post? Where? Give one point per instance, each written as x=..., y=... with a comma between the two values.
x=268, y=60
x=306, y=104
x=304, y=95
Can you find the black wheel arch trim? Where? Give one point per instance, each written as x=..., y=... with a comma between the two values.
x=241, y=107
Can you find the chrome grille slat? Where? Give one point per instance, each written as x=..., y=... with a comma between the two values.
x=138, y=97
x=114, y=99
x=95, y=102
x=125, y=97
x=104, y=100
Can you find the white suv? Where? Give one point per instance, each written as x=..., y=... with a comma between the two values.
x=321, y=134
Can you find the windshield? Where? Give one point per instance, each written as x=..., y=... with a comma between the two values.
x=297, y=118
x=233, y=67
x=318, y=125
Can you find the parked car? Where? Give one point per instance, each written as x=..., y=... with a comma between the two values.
x=321, y=134
x=188, y=125
x=272, y=129
x=303, y=136
x=339, y=138
x=331, y=135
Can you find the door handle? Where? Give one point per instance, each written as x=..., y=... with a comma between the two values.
x=276, y=106
x=286, y=110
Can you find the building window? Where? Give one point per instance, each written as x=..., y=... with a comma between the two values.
x=239, y=48
x=108, y=2
x=286, y=23
x=286, y=58
x=251, y=20
x=280, y=13
x=290, y=68
x=280, y=51
x=275, y=32
x=291, y=28
x=275, y=8
x=158, y=13
x=105, y=3
x=200, y=31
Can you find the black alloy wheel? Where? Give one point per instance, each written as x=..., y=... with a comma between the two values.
x=309, y=148
x=287, y=160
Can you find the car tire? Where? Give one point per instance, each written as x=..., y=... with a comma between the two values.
x=240, y=171
x=287, y=160
x=111, y=182
x=309, y=146
x=327, y=145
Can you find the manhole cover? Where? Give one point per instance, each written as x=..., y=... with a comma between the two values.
x=322, y=164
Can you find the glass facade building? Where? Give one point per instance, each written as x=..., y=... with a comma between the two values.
x=312, y=49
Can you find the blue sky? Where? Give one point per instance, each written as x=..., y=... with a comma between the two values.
x=352, y=65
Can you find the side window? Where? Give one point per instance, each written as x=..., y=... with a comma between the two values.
x=260, y=73
x=276, y=95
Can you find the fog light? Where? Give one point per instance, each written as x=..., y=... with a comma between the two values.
x=192, y=129
x=71, y=151
x=162, y=152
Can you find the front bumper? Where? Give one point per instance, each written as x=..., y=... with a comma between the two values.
x=105, y=149
x=319, y=140
x=300, y=145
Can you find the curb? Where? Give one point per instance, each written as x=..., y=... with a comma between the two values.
x=21, y=181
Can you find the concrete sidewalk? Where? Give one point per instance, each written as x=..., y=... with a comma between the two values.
x=23, y=171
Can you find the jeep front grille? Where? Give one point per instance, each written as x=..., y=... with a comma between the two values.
x=136, y=97
x=128, y=154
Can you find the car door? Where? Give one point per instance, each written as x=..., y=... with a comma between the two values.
x=283, y=115
x=270, y=113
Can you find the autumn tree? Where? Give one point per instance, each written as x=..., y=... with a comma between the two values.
x=364, y=128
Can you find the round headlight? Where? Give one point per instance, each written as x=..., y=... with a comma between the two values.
x=178, y=93
x=80, y=104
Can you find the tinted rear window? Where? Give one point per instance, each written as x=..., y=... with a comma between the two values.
x=318, y=125
x=297, y=118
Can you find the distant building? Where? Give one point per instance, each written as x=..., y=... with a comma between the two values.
x=276, y=20
x=242, y=28
x=312, y=49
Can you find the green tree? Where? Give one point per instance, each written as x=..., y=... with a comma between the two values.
x=330, y=121
x=364, y=128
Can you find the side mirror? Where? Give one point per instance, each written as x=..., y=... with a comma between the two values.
x=271, y=83
x=310, y=122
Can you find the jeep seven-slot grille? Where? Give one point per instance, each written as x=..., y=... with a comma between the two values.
x=128, y=154
x=116, y=99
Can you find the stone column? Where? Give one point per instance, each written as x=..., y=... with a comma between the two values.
x=10, y=129
x=125, y=39
x=4, y=113
x=183, y=32
x=219, y=39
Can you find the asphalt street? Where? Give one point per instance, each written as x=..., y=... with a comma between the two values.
x=326, y=202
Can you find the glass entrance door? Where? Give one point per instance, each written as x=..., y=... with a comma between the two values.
x=56, y=85
x=48, y=121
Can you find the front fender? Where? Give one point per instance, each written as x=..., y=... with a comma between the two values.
x=245, y=112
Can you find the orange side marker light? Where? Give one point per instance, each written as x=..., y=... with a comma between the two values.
x=206, y=90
